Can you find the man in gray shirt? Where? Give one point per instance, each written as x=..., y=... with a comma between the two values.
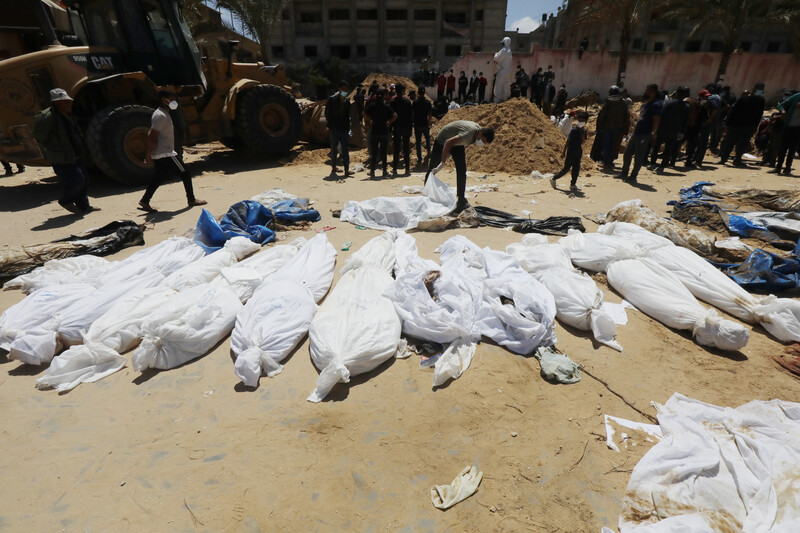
x=452, y=140
x=161, y=153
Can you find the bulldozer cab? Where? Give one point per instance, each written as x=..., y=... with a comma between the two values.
x=142, y=35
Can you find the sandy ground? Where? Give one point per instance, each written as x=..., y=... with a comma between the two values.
x=190, y=449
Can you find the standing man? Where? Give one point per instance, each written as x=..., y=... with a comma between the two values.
x=524, y=82
x=537, y=88
x=337, y=112
x=482, y=83
x=463, y=83
x=706, y=117
x=672, y=125
x=422, y=111
x=790, y=110
x=441, y=85
x=743, y=118
x=561, y=100
x=451, y=85
x=614, y=119
x=62, y=145
x=473, y=85
x=452, y=140
x=378, y=118
x=161, y=153
x=583, y=47
x=573, y=152
x=549, y=75
x=643, y=134
x=549, y=96
x=402, y=128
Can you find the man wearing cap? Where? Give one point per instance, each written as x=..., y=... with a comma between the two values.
x=162, y=155
x=453, y=140
x=62, y=145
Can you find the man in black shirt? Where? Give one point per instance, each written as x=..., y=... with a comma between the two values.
x=422, y=111
x=402, y=128
x=337, y=112
x=473, y=85
x=671, y=128
x=463, y=83
x=742, y=120
x=378, y=117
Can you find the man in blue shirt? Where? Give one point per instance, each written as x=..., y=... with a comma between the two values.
x=643, y=133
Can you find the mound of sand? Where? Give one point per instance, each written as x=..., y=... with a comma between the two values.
x=388, y=79
x=525, y=139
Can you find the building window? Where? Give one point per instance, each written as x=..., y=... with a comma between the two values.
x=367, y=14
x=419, y=51
x=341, y=51
x=361, y=51
x=637, y=44
x=693, y=46
x=452, y=50
x=476, y=48
x=277, y=51
x=745, y=46
x=310, y=17
x=425, y=14
x=658, y=47
x=479, y=15
x=454, y=17
x=715, y=46
x=773, y=47
x=396, y=14
x=398, y=50
x=310, y=50
x=285, y=14
x=339, y=14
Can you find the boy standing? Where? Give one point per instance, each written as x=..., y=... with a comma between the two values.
x=573, y=152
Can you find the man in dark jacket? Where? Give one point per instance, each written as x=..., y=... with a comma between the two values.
x=671, y=128
x=463, y=83
x=643, y=133
x=422, y=111
x=743, y=118
x=62, y=145
x=473, y=85
x=561, y=100
x=337, y=112
x=402, y=128
x=614, y=120
x=378, y=118
x=537, y=87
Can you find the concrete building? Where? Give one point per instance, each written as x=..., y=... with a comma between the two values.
x=388, y=35
x=655, y=33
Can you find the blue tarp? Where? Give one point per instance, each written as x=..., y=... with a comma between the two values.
x=762, y=271
x=250, y=219
x=765, y=272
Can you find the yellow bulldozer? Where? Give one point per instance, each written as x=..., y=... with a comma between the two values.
x=112, y=57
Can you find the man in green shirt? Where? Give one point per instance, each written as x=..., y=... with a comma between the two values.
x=790, y=108
x=452, y=140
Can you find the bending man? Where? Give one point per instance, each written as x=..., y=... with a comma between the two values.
x=452, y=140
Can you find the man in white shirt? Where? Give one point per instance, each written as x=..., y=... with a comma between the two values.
x=161, y=153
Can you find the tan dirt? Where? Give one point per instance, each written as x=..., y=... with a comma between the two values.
x=190, y=449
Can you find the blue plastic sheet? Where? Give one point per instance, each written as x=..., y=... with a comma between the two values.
x=244, y=219
x=252, y=220
x=765, y=272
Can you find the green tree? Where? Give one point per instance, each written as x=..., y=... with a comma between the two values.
x=258, y=17
x=729, y=18
x=625, y=16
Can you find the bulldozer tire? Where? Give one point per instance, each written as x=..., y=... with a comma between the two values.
x=117, y=141
x=234, y=143
x=268, y=119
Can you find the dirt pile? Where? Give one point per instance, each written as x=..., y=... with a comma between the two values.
x=388, y=79
x=525, y=139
